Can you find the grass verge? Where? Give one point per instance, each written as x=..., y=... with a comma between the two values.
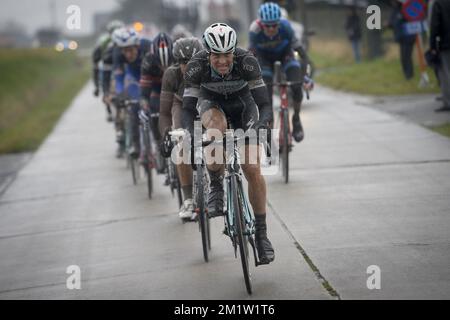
x=336, y=69
x=36, y=87
x=444, y=129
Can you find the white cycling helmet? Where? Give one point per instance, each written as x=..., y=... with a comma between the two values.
x=220, y=38
x=113, y=25
x=125, y=37
x=179, y=31
x=284, y=13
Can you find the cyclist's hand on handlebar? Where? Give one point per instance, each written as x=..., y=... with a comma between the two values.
x=261, y=127
x=266, y=138
x=166, y=144
x=308, y=83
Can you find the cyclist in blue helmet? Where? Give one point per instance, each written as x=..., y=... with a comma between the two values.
x=273, y=39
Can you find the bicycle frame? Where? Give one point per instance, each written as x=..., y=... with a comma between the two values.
x=233, y=172
x=233, y=169
x=284, y=104
x=284, y=108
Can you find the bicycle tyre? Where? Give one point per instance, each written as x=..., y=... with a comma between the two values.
x=133, y=164
x=178, y=187
x=242, y=239
x=149, y=174
x=202, y=217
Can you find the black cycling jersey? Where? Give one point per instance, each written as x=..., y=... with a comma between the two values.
x=171, y=94
x=107, y=58
x=151, y=79
x=202, y=81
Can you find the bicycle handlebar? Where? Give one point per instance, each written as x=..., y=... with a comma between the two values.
x=182, y=133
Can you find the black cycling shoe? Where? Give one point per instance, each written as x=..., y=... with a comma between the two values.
x=266, y=254
x=215, y=197
x=167, y=181
x=297, y=132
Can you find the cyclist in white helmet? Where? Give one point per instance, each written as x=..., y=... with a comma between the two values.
x=102, y=64
x=128, y=57
x=179, y=31
x=223, y=82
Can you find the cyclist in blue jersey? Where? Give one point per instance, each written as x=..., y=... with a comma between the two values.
x=272, y=39
x=127, y=60
x=102, y=63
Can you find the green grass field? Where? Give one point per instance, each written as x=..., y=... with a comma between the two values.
x=336, y=69
x=36, y=87
x=444, y=129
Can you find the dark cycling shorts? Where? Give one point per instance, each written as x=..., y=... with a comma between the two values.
x=287, y=62
x=242, y=111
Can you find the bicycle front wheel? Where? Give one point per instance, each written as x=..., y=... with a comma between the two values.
x=134, y=169
x=149, y=173
x=201, y=212
x=242, y=239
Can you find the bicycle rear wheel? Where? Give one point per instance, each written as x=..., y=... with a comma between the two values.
x=242, y=239
x=285, y=145
x=201, y=212
x=134, y=169
x=178, y=188
x=148, y=158
x=149, y=173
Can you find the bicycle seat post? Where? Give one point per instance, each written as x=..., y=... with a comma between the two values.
x=277, y=72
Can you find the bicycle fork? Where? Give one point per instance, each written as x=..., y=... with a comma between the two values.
x=247, y=213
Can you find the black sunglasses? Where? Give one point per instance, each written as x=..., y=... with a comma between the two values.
x=270, y=25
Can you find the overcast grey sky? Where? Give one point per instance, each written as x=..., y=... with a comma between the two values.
x=34, y=14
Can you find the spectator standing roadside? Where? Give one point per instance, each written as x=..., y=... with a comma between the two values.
x=353, y=29
x=440, y=47
x=406, y=41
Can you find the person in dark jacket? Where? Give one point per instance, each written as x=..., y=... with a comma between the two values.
x=406, y=41
x=353, y=29
x=440, y=47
